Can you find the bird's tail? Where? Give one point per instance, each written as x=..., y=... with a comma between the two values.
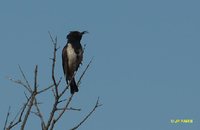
x=73, y=86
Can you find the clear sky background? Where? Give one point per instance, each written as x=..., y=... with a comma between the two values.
x=146, y=67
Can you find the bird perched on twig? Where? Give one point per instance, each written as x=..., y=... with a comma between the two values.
x=72, y=56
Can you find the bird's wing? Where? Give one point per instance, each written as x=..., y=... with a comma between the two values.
x=79, y=52
x=64, y=60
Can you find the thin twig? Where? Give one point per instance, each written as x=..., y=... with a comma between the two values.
x=74, y=109
x=89, y=114
x=45, y=89
x=52, y=40
x=35, y=78
x=53, y=65
x=7, y=116
x=23, y=75
x=20, y=83
x=78, y=83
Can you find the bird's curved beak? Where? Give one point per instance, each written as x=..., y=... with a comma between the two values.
x=84, y=32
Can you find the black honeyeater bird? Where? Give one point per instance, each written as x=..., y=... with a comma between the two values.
x=72, y=56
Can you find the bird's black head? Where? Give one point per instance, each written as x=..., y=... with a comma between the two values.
x=75, y=36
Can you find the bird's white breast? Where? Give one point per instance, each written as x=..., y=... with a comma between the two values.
x=72, y=56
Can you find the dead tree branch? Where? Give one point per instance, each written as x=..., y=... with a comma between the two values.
x=60, y=103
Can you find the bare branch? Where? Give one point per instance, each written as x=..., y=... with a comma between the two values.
x=52, y=40
x=27, y=83
x=40, y=114
x=74, y=109
x=53, y=64
x=7, y=116
x=20, y=83
x=26, y=96
x=89, y=114
x=62, y=112
x=56, y=95
x=52, y=113
x=35, y=78
x=34, y=93
x=84, y=72
x=45, y=89
x=32, y=98
x=12, y=124
x=65, y=108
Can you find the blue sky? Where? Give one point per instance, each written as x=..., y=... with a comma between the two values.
x=146, y=59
